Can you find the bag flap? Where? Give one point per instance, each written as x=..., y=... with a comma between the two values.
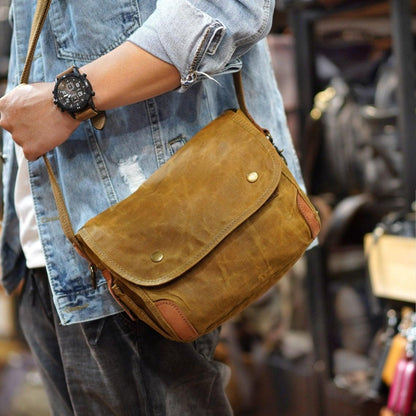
x=210, y=186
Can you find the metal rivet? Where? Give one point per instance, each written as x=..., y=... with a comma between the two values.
x=157, y=257
x=252, y=177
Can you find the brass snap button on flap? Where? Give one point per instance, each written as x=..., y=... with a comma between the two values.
x=157, y=256
x=252, y=177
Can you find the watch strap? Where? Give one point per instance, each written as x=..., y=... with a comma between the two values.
x=97, y=120
x=97, y=117
x=66, y=72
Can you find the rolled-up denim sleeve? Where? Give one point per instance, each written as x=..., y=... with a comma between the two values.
x=203, y=38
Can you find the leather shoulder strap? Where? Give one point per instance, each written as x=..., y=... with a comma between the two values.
x=238, y=85
x=41, y=11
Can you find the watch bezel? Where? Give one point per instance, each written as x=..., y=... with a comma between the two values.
x=85, y=87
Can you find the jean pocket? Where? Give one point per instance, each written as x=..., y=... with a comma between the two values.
x=175, y=144
x=206, y=344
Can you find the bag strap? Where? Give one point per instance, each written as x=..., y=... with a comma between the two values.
x=39, y=18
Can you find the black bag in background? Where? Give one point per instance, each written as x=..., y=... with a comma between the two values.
x=355, y=142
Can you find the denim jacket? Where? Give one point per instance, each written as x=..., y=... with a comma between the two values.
x=206, y=40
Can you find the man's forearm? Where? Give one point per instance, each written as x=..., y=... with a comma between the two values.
x=129, y=74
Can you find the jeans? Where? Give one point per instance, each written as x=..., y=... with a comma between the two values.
x=114, y=366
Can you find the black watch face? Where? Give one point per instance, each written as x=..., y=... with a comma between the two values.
x=72, y=94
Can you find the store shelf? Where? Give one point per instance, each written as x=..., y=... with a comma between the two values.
x=307, y=23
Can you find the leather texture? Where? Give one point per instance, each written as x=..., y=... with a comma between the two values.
x=207, y=234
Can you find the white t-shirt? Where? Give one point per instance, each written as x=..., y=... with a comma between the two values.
x=29, y=235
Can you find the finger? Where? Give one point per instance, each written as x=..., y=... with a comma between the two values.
x=30, y=154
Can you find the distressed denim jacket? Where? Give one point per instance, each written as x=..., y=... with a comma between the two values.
x=206, y=40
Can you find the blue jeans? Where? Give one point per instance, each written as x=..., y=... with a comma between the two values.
x=113, y=366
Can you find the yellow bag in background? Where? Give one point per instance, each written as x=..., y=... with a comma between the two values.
x=392, y=266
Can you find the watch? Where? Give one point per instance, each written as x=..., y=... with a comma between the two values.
x=73, y=93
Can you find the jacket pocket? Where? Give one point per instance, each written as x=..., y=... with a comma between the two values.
x=97, y=28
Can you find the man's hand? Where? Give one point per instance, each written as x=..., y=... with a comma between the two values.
x=125, y=75
x=34, y=122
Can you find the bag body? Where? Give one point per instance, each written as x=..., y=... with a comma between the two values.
x=207, y=234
